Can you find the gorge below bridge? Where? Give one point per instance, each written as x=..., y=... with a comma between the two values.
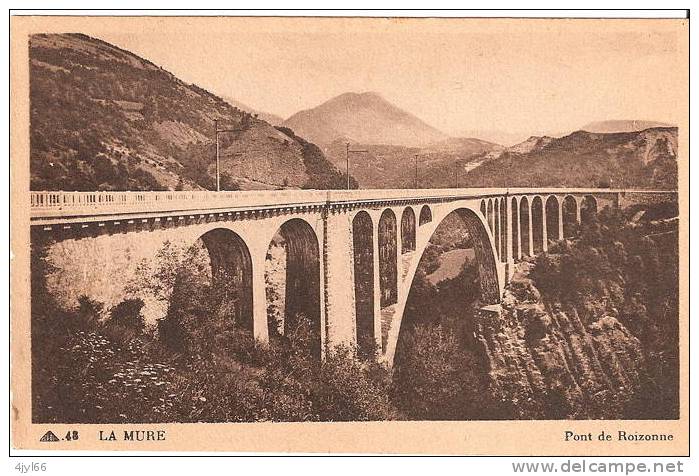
x=351, y=256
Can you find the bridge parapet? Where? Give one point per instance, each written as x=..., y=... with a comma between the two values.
x=56, y=204
x=365, y=243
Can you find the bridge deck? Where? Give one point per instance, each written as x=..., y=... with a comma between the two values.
x=49, y=206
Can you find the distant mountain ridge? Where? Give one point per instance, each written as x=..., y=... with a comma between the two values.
x=393, y=166
x=638, y=159
x=510, y=139
x=272, y=119
x=622, y=126
x=103, y=118
x=365, y=118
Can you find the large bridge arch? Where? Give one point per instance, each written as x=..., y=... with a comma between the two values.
x=231, y=273
x=301, y=281
x=485, y=255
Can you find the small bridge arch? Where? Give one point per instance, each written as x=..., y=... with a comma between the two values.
x=570, y=216
x=503, y=229
x=553, y=218
x=407, y=230
x=388, y=258
x=516, y=246
x=425, y=215
x=363, y=243
x=524, y=228
x=588, y=208
x=497, y=226
x=537, y=213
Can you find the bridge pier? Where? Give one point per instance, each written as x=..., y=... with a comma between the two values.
x=399, y=252
x=338, y=276
x=560, y=216
x=260, y=327
x=544, y=230
x=577, y=210
x=509, y=259
x=375, y=217
x=530, y=235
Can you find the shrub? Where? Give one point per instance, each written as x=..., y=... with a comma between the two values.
x=346, y=390
x=435, y=379
x=88, y=312
x=128, y=314
x=125, y=322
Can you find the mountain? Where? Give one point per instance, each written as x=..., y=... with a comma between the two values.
x=364, y=118
x=393, y=166
x=504, y=138
x=622, y=126
x=272, y=119
x=640, y=159
x=532, y=144
x=103, y=118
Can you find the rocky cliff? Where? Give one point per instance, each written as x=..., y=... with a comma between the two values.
x=549, y=364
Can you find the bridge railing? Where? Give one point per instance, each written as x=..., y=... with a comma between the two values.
x=85, y=203
x=47, y=204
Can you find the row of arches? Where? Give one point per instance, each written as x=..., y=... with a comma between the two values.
x=294, y=252
x=299, y=261
x=534, y=221
x=387, y=261
x=364, y=277
x=296, y=299
x=495, y=212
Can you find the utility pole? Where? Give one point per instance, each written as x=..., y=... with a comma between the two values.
x=415, y=170
x=347, y=155
x=218, y=163
x=509, y=172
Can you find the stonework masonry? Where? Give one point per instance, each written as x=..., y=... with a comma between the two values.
x=94, y=242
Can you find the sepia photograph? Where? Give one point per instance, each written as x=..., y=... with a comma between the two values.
x=411, y=224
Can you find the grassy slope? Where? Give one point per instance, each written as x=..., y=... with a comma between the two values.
x=105, y=119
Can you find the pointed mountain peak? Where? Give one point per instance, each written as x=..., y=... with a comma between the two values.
x=367, y=118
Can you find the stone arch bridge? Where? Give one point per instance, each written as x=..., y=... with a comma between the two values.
x=351, y=255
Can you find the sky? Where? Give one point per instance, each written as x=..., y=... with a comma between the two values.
x=521, y=76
